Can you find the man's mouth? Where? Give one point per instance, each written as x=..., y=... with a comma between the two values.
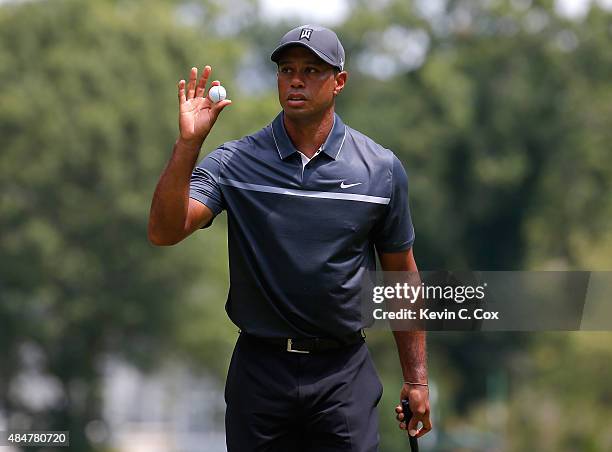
x=296, y=97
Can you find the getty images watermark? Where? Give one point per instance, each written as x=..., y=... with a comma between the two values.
x=411, y=294
x=493, y=301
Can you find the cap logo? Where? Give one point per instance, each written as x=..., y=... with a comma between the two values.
x=305, y=33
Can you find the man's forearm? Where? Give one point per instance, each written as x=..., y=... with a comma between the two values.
x=412, y=351
x=171, y=198
x=410, y=342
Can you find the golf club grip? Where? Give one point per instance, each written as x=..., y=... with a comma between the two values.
x=414, y=444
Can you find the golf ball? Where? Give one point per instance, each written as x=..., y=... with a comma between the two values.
x=217, y=93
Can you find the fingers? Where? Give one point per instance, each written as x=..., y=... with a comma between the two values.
x=426, y=427
x=400, y=417
x=201, y=89
x=413, y=422
x=412, y=426
x=181, y=92
x=194, y=90
x=192, y=83
x=191, y=91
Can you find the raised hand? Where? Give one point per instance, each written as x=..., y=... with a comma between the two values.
x=197, y=113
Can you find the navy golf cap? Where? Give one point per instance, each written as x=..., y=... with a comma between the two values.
x=322, y=41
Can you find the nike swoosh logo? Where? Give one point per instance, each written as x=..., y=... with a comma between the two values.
x=343, y=185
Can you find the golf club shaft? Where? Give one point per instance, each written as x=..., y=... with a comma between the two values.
x=414, y=444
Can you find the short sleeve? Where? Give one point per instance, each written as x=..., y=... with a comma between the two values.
x=204, y=185
x=394, y=231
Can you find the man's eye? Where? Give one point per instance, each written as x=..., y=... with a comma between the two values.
x=285, y=70
x=310, y=70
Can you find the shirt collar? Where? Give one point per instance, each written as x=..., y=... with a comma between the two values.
x=284, y=146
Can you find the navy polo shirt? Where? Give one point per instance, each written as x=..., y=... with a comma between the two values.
x=301, y=238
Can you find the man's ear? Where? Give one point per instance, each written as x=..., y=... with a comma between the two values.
x=340, y=82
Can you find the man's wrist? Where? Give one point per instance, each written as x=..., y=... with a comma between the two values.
x=189, y=145
x=416, y=373
x=417, y=383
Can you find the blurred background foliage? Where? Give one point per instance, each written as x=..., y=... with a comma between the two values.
x=500, y=111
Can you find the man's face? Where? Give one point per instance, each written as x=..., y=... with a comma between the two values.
x=307, y=85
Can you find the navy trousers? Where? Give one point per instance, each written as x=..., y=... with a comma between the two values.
x=279, y=401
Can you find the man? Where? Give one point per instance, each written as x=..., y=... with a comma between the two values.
x=309, y=200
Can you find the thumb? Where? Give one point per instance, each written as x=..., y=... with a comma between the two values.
x=412, y=426
x=219, y=106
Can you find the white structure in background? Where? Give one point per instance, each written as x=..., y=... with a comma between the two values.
x=169, y=411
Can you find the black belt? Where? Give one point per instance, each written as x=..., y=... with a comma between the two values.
x=307, y=344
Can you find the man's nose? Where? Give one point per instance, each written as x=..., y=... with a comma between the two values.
x=297, y=81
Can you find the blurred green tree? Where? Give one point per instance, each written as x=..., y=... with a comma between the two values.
x=87, y=121
x=499, y=111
